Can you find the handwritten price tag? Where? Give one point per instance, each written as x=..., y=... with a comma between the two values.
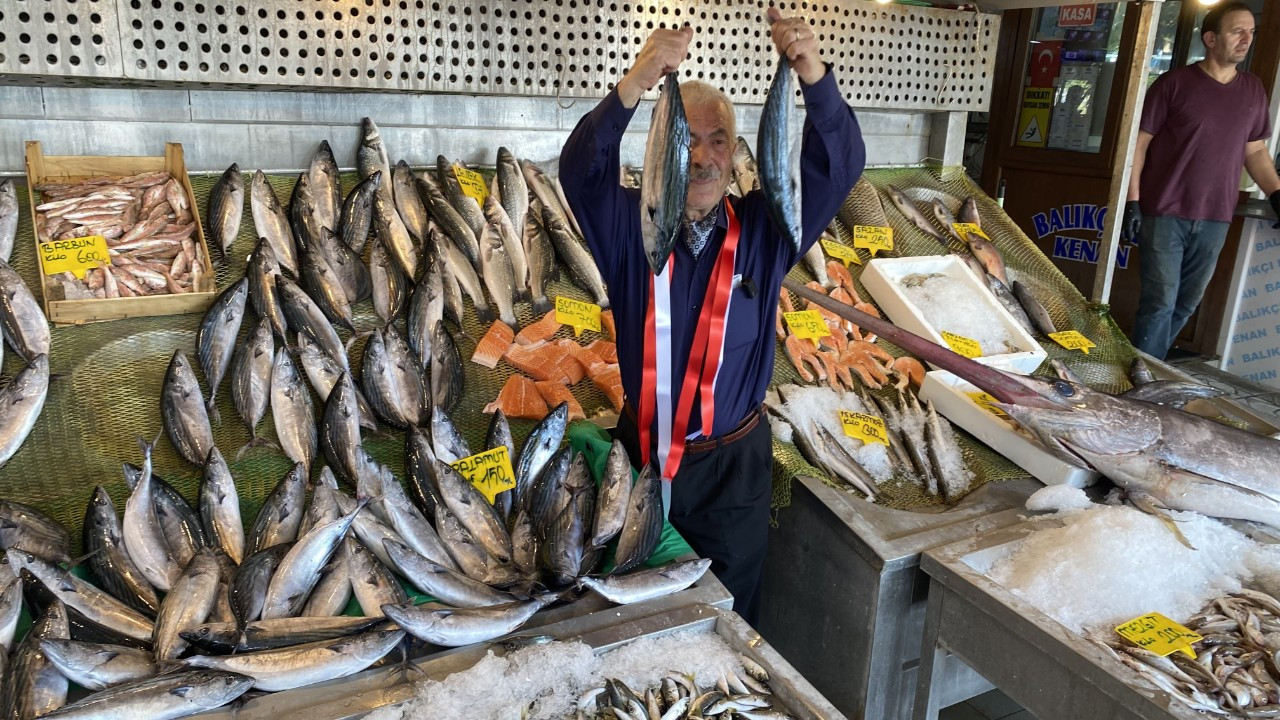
x=966, y=229
x=1073, y=340
x=841, y=252
x=77, y=255
x=490, y=471
x=1158, y=634
x=867, y=428
x=873, y=238
x=986, y=402
x=807, y=325
x=472, y=183
x=577, y=314
x=963, y=345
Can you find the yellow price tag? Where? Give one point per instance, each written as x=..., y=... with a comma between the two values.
x=867, y=428
x=1073, y=340
x=963, y=345
x=472, y=183
x=986, y=402
x=873, y=238
x=807, y=324
x=77, y=255
x=490, y=471
x=841, y=252
x=1158, y=634
x=966, y=229
x=577, y=314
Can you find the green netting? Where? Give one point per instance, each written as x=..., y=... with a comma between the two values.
x=1104, y=368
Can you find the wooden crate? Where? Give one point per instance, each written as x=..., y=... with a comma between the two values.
x=63, y=168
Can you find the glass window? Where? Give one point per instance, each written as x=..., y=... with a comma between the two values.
x=1070, y=68
x=1166, y=35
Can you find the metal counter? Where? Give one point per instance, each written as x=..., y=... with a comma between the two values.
x=1049, y=670
x=844, y=598
x=357, y=694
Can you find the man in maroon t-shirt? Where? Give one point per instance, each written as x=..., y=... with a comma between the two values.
x=1200, y=124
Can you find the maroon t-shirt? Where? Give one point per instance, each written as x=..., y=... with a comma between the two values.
x=1200, y=128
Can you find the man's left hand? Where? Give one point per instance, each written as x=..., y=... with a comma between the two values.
x=1274, y=199
x=796, y=40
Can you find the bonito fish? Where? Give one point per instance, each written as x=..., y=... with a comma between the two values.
x=665, y=185
x=778, y=152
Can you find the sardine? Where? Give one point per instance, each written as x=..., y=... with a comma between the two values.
x=107, y=557
x=442, y=583
x=412, y=212
x=251, y=381
x=357, y=212
x=323, y=373
x=643, y=525
x=340, y=431
x=288, y=668
x=186, y=421
x=82, y=596
x=163, y=697
x=474, y=512
x=282, y=513
x=499, y=277
x=291, y=411
x=512, y=240
x=1035, y=311
x=95, y=666
x=249, y=584
x=778, y=152
x=297, y=572
x=576, y=257
x=388, y=280
x=220, y=507
x=665, y=185
x=20, y=404
x=305, y=316
x=447, y=376
x=543, y=442
x=226, y=208
x=33, y=685
x=326, y=187
x=455, y=628
x=262, y=271
x=612, y=500
x=187, y=604
x=542, y=259
x=648, y=584
x=22, y=321
x=216, y=339
x=270, y=222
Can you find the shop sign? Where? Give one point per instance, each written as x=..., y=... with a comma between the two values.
x=1033, y=122
x=1254, y=352
x=1075, y=218
x=1077, y=15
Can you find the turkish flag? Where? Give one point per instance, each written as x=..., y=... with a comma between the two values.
x=1046, y=58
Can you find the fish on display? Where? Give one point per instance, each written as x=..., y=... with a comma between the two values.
x=447, y=585
x=179, y=522
x=143, y=535
x=911, y=212
x=411, y=525
x=248, y=590
x=447, y=376
x=225, y=638
x=392, y=379
x=187, y=604
x=186, y=421
x=643, y=525
x=474, y=512
x=513, y=187
x=163, y=697
x=251, y=382
x=426, y=308
x=391, y=230
x=8, y=218
x=541, y=445
x=419, y=469
x=271, y=223
x=468, y=207
x=216, y=339
x=301, y=214
x=816, y=260
x=1037, y=313
x=944, y=217
x=323, y=372
x=326, y=287
x=372, y=582
x=22, y=321
x=34, y=686
x=454, y=226
x=1009, y=302
x=340, y=431
x=388, y=280
x=371, y=156
x=94, y=604
x=463, y=626
x=220, y=507
x=305, y=316
x=778, y=153
x=575, y=256
x=462, y=270
x=95, y=666
x=226, y=208
x=408, y=203
x=612, y=500
x=108, y=559
x=644, y=585
x=986, y=252
x=499, y=277
x=20, y=404
x=346, y=264
x=288, y=668
x=665, y=185
x=261, y=271
x=512, y=240
x=291, y=411
x=326, y=187
x=299, y=568
x=969, y=212
x=542, y=259
x=25, y=528
x=357, y=212
x=499, y=435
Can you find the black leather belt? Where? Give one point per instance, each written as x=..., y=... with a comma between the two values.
x=745, y=426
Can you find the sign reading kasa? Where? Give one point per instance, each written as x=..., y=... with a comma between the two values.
x=1077, y=217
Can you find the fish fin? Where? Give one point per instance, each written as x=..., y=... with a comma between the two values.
x=541, y=306
x=1148, y=504
x=485, y=314
x=211, y=407
x=256, y=441
x=1170, y=392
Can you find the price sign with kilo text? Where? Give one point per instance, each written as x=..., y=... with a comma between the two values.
x=490, y=471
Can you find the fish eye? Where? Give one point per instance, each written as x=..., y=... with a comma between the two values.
x=1063, y=388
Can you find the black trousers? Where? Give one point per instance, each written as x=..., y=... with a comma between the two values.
x=720, y=504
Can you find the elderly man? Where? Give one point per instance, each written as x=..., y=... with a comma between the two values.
x=712, y=441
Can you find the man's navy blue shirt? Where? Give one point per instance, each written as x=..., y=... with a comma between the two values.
x=832, y=159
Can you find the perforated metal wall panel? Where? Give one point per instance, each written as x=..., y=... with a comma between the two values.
x=60, y=38
x=886, y=56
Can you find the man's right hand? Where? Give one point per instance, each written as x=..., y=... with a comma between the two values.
x=1131, y=224
x=662, y=53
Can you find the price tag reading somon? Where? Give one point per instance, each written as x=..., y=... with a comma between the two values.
x=490, y=471
x=76, y=255
x=867, y=428
x=1159, y=634
x=577, y=314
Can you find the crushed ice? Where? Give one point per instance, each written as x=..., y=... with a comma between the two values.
x=822, y=405
x=948, y=303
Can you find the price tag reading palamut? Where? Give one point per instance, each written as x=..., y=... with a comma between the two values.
x=1158, y=634
x=807, y=325
x=472, y=183
x=873, y=238
x=867, y=428
x=490, y=471
x=962, y=345
x=841, y=252
x=577, y=314
x=76, y=255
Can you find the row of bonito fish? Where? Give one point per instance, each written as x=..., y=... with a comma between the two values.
x=25, y=330
x=743, y=694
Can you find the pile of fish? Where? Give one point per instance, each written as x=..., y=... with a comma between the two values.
x=1234, y=672
x=26, y=331
x=8, y=218
x=743, y=694
x=149, y=227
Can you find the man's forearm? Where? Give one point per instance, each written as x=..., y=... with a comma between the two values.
x=1263, y=171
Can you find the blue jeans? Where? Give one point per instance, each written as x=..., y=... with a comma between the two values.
x=1178, y=258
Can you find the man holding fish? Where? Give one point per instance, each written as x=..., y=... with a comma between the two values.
x=694, y=277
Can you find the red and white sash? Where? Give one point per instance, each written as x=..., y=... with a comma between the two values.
x=703, y=368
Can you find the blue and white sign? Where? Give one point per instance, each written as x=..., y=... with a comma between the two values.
x=1080, y=220
x=1253, y=350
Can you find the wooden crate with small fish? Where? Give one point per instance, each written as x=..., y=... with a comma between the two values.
x=140, y=212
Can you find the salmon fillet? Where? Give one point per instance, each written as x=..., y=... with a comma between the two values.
x=605, y=349
x=542, y=361
x=606, y=324
x=493, y=345
x=555, y=393
x=539, y=331
x=519, y=398
x=587, y=358
x=609, y=380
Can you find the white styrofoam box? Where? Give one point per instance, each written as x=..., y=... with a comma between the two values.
x=950, y=395
x=881, y=278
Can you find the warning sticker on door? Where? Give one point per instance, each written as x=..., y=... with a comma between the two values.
x=1033, y=121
